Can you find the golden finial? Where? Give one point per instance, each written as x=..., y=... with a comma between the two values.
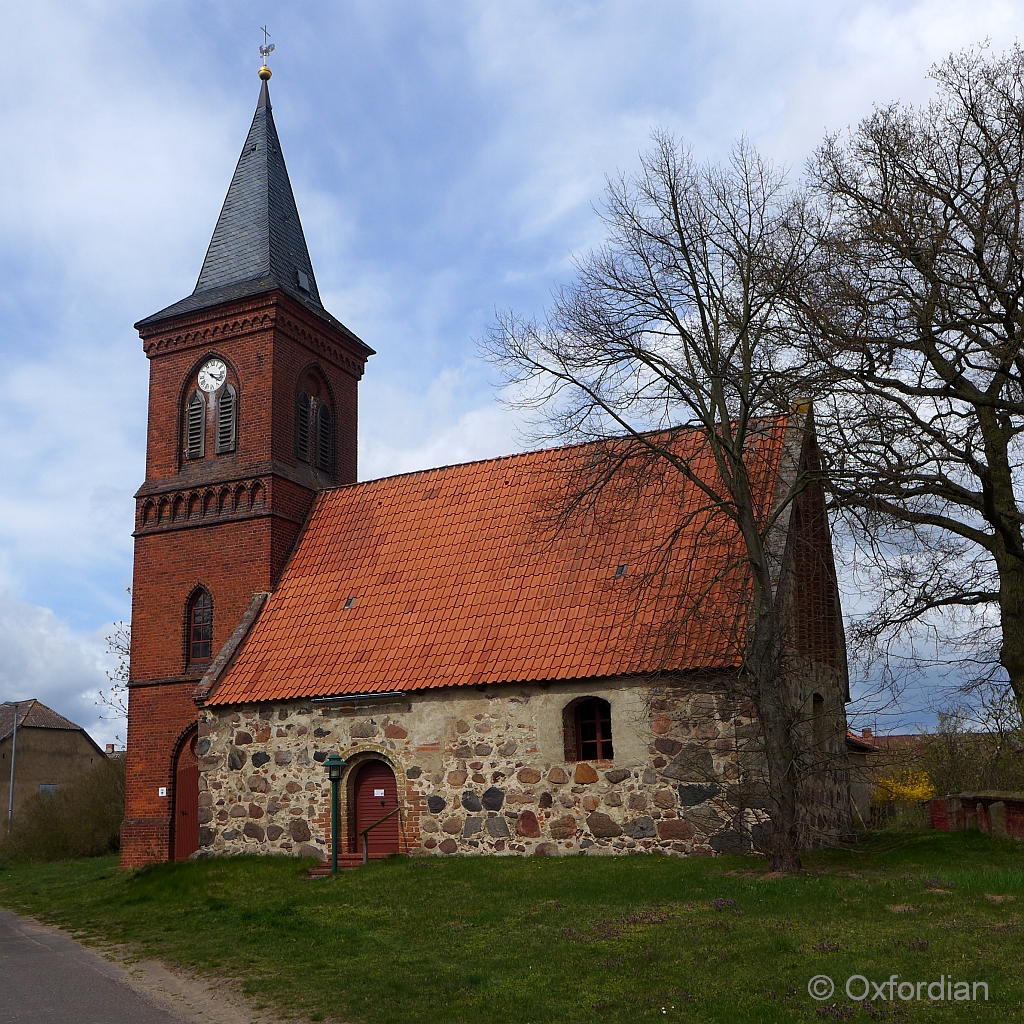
x=265, y=51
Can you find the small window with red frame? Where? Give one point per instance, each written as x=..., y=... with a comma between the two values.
x=594, y=730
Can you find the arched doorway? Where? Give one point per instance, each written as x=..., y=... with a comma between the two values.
x=186, y=798
x=374, y=794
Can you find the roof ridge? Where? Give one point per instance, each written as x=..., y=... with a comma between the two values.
x=517, y=455
x=25, y=713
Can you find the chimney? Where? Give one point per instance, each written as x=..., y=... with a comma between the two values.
x=110, y=748
x=865, y=734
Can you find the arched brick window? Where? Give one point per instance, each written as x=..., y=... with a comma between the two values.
x=200, y=627
x=314, y=421
x=587, y=725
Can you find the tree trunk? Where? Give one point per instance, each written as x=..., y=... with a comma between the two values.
x=780, y=764
x=764, y=667
x=1011, y=619
x=1001, y=512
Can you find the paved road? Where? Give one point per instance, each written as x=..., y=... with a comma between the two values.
x=46, y=978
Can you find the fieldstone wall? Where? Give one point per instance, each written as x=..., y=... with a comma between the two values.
x=826, y=790
x=486, y=772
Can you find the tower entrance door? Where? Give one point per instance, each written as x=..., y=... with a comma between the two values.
x=186, y=799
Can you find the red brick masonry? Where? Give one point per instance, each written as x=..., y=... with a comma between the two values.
x=226, y=522
x=998, y=814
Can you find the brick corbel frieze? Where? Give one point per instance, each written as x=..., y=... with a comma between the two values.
x=200, y=496
x=201, y=331
x=245, y=317
x=316, y=341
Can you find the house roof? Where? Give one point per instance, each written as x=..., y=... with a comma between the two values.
x=861, y=746
x=258, y=244
x=912, y=739
x=458, y=576
x=32, y=715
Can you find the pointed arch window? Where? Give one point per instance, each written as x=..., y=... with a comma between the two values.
x=302, y=426
x=324, y=440
x=227, y=419
x=200, y=627
x=195, y=427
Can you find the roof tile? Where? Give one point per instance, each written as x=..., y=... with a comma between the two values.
x=499, y=594
x=32, y=715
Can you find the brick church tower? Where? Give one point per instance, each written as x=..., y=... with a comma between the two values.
x=252, y=409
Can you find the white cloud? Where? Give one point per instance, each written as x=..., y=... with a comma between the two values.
x=445, y=160
x=877, y=54
x=69, y=463
x=102, y=156
x=41, y=658
x=478, y=434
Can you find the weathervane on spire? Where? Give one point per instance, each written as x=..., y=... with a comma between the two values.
x=265, y=51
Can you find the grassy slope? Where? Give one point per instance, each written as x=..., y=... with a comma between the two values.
x=567, y=939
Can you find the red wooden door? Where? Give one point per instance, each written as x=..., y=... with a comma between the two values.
x=376, y=793
x=186, y=801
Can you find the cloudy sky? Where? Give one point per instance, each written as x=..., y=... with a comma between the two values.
x=446, y=158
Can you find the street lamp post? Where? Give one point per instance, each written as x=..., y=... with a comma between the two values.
x=14, y=753
x=334, y=766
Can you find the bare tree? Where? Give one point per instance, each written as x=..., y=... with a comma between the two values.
x=976, y=747
x=679, y=319
x=115, y=699
x=915, y=299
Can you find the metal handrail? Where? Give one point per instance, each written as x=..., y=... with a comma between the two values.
x=366, y=838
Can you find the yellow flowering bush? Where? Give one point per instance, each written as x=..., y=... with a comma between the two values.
x=904, y=786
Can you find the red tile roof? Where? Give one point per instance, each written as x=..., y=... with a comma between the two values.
x=457, y=576
x=857, y=743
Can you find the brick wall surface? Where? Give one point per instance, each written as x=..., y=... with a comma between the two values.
x=159, y=718
x=817, y=628
x=816, y=659
x=998, y=814
x=227, y=522
x=232, y=560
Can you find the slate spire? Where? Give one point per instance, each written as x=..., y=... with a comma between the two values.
x=258, y=244
x=258, y=234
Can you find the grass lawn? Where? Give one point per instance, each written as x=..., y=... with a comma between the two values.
x=510, y=940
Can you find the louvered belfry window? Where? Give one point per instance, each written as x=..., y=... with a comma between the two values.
x=324, y=440
x=227, y=419
x=302, y=426
x=200, y=627
x=195, y=427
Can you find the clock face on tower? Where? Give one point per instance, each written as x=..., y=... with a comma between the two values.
x=212, y=375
